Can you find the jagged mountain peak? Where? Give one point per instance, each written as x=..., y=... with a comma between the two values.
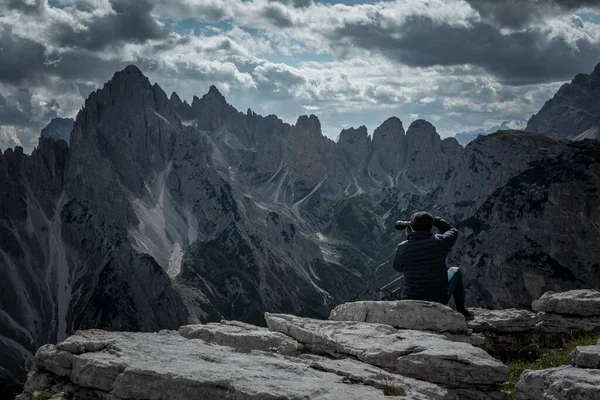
x=133, y=70
x=421, y=127
x=574, y=108
x=392, y=125
x=310, y=123
x=59, y=128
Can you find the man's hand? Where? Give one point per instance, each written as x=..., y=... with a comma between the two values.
x=408, y=230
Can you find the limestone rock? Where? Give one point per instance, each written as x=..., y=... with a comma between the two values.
x=241, y=336
x=420, y=355
x=509, y=320
x=586, y=357
x=581, y=302
x=562, y=383
x=403, y=314
x=366, y=374
x=167, y=365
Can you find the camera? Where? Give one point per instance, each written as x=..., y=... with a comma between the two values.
x=402, y=225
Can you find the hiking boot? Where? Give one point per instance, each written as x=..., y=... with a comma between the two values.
x=467, y=314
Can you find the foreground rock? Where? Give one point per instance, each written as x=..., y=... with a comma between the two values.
x=420, y=355
x=586, y=357
x=583, y=303
x=562, y=383
x=404, y=314
x=516, y=333
x=242, y=336
x=97, y=364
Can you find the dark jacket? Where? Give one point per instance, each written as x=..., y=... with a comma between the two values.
x=422, y=260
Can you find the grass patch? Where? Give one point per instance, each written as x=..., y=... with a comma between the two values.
x=549, y=358
x=43, y=395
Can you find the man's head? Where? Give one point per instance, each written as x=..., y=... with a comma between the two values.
x=421, y=221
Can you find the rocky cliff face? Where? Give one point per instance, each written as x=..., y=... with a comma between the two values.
x=537, y=232
x=33, y=255
x=573, y=110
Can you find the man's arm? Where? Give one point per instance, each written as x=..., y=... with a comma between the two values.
x=398, y=259
x=448, y=232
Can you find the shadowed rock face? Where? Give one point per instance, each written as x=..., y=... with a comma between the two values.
x=59, y=128
x=546, y=219
x=573, y=110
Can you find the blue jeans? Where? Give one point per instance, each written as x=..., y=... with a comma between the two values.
x=456, y=288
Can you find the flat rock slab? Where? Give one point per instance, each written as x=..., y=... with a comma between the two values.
x=584, y=303
x=403, y=314
x=241, y=336
x=421, y=355
x=586, y=357
x=366, y=374
x=167, y=365
x=562, y=383
x=503, y=321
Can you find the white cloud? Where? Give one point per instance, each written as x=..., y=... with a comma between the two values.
x=427, y=100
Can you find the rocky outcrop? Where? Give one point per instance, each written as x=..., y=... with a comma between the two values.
x=512, y=333
x=581, y=303
x=586, y=357
x=580, y=380
x=410, y=353
x=404, y=314
x=167, y=365
x=562, y=383
x=574, y=108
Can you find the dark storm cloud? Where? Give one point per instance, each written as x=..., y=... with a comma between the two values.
x=524, y=57
x=517, y=13
x=131, y=22
x=25, y=61
x=11, y=114
x=21, y=58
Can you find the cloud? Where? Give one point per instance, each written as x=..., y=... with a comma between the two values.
x=427, y=100
x=519, y=13
x=9, y=137
x=294, y=3
x=516, y=58
x=129, y=21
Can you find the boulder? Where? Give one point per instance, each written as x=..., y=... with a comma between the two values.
x=403, y=314
x=583, y=302
x=149, y=366
x=416, y=354
x=509, y=320
x=241, y=336
x=562, y=383
x=586, y=357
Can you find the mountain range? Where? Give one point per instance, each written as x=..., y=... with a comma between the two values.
x=159, y=213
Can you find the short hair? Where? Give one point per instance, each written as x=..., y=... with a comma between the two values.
x=422, y=221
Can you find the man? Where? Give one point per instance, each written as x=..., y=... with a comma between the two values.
x=422, y=260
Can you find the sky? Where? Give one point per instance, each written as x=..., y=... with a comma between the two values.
x=461, y=64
